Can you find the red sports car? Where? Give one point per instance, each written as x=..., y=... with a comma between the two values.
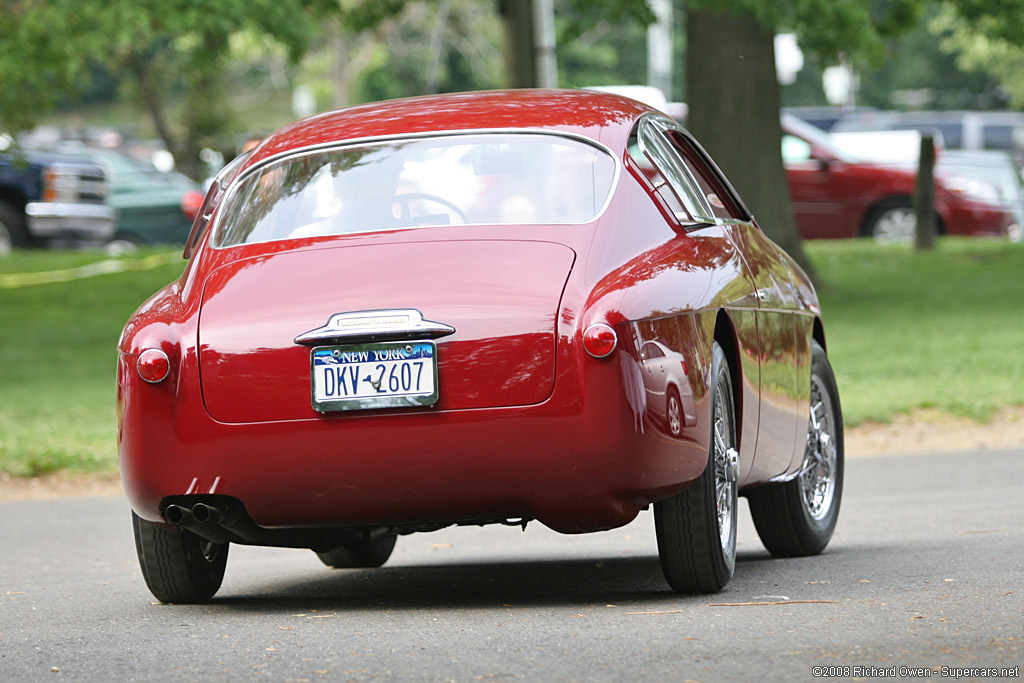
x=434, y=311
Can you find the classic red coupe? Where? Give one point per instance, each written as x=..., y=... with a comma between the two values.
x=457, y=310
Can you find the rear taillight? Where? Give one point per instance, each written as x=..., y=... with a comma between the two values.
x=599, y=340
x=153, y=365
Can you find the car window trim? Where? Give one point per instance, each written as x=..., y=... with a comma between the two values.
x=694, y=221
x=310, y=150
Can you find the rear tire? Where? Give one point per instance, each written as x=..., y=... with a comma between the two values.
x=179, y=567
x=696, y=528
x=361, y=555
x=797, y=518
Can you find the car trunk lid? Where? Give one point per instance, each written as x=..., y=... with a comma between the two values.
x=502, y=298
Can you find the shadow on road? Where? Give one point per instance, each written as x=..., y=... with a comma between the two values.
x=538, y=583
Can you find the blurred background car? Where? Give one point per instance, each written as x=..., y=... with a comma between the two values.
x=838, y=194
x=825, y=117
x=153, y=207
x=982, y=172
x=969, y=130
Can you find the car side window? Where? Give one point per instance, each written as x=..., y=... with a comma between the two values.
x=650, y=351
x=716, y=191
x=662, y=190
x=657, y=147
x=683, y=176
x=795, y=150
x=213, y=196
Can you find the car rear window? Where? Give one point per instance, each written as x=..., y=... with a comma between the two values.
x=480, y=179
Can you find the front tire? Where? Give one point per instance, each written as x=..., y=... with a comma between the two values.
x=696, y=528
x=797, y=518
x=894, y=223
x=12, y=228
x=179, y=567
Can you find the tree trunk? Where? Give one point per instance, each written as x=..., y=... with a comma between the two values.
x=733, y=97
x=520, y=58
x=151, y=100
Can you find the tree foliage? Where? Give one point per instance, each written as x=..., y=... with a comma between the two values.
x=169, y=48
x=984, y=44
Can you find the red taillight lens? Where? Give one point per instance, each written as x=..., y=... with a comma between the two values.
x=153, y=365
x=599, y=340
x=683, y=363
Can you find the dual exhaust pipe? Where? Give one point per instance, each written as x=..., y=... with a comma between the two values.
x=200, y=513
x=222, y=519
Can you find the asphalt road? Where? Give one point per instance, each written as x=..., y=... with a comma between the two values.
x=926, y=570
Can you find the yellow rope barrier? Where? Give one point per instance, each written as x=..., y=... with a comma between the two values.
x=16, y=280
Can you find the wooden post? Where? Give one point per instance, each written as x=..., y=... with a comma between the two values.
x=924, y=195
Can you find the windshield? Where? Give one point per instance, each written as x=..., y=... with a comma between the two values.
x=815, y=136
x=495, y=179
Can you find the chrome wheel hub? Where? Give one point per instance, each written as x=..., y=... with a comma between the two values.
x=675, y=419
x=818, y=473
x=896, y=226
x=726, y=463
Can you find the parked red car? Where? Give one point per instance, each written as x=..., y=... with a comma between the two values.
x=406, y=315
x=836, y=194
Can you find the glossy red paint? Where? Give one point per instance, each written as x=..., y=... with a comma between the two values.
x=835, y=196
x=252, y=371
x=528, y=424
x=589, y=114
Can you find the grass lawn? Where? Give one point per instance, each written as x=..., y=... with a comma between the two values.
x=942, y=330
x=58, y=357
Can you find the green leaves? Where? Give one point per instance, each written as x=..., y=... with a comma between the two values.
x=169, y=48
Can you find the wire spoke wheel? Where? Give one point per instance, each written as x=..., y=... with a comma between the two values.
x=818, y=473
x=797, y=517
x=895, y=225
x=725, y=458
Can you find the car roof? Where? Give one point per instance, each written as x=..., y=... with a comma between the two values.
x=603, y=117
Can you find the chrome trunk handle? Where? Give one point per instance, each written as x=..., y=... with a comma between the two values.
x=380, y=325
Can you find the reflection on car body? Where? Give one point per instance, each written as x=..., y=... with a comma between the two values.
x=451, y=310
x=669, y=394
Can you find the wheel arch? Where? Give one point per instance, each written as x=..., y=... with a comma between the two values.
x=725, y=335
x=13, y=198
x=883, y=204
x=873, y=211
x=818, y=333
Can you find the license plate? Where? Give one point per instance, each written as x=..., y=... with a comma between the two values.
x=377, y=375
